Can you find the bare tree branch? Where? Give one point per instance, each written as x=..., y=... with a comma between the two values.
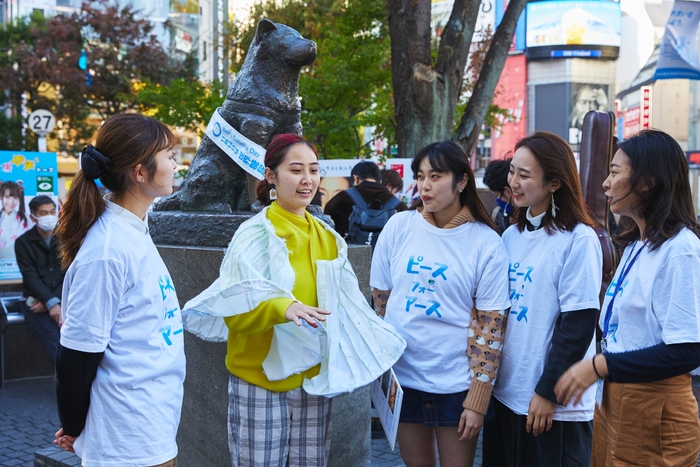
x=467, y=133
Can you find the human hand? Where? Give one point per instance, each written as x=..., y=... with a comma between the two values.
x=55, y=312
x=574, y=382
x=298, y=311
x=539, y=415
x=38, y=307
x=64, y=441
x=470, y=424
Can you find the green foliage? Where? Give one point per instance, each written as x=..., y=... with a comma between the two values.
x=184, y=103
x=39, y=57
x=349, y=84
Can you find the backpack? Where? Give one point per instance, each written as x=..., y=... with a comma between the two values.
x=365, y=223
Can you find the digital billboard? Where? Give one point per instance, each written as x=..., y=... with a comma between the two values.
x=564, y=29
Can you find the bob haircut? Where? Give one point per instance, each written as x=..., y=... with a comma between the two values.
x=558, y=163
x=448, y=157
x=659, y=177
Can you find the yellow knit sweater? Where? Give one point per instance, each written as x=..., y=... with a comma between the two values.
x=250, y=334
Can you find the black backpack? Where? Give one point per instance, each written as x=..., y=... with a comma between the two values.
x=365, y=223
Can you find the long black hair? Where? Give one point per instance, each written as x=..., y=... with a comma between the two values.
x=448, y=157
x=659, y=177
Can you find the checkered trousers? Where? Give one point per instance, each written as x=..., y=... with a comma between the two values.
x=277, y=429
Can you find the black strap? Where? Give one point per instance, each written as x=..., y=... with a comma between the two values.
x=360, y=202
x=357, y=198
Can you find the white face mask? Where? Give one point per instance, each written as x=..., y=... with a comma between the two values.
x=47, y=223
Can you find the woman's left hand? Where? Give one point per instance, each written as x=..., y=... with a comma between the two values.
x=574, y=382
x=470, y=424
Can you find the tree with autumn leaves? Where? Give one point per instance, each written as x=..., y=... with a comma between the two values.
x=92, y=61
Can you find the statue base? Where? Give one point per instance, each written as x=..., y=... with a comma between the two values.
x=192, y=247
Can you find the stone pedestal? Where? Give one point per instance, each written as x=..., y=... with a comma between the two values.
x=202, y=437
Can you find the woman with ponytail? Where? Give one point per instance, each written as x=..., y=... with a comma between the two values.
x=299, y=330
x=121, y=363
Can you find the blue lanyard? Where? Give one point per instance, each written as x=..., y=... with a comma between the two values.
x=620, y=281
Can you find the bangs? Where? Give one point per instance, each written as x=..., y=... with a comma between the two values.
x=438, y=162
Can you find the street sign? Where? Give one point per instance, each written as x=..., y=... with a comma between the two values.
x=41, y=122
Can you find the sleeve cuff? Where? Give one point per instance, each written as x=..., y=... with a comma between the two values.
x=51, y=302
x=478, y=397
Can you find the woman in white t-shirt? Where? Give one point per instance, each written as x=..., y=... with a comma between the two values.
x=440, y=277
x=555, y=279
x=646, y=413
x=120, y=366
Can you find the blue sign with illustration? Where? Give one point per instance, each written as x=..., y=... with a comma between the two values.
x=23, y=175
x=678, y=52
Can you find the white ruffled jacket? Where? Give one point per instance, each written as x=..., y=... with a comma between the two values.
x=353, y=345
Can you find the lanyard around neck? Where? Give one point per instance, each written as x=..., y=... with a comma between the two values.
x=620, y=280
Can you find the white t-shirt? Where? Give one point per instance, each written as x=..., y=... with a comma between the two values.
x=659, y=300
x=118, y=298
x=436, y=276
x=549, y=274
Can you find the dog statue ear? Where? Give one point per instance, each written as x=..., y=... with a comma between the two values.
x=264, y=26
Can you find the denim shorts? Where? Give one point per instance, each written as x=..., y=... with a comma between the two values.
x=430, y=409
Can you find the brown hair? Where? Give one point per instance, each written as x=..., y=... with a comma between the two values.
x=276, y=152
x=557, y=160
x=18, y=191
x=127, y=140
x=392, y=178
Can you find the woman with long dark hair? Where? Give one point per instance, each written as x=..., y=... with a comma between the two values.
x=555, y=277
x=647, y=414
x=440, y=276
x=299, y=330
x=120, y=366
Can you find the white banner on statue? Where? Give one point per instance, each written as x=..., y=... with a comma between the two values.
x=678, y=53
x=243, y=151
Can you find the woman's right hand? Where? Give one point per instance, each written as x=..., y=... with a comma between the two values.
x=64, y=441
x=298, y=311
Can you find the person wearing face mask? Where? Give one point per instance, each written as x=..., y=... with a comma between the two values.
x=42, y=277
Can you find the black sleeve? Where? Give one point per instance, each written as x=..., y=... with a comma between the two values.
x=31, y=279
x=339, y=208
x=653, y=363
x=573, y=333
x=75, y=372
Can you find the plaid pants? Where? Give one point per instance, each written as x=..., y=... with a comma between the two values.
x=279, y=429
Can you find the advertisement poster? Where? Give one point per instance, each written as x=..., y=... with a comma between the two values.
x=573, y=23
x=23, y=175
x=678, y=53
x=584, y=98
x=387, y=396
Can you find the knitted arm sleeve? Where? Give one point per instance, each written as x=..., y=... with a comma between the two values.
x=485, y=342
x=380, y=297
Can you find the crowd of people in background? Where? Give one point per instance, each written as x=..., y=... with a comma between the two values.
x=488, y=319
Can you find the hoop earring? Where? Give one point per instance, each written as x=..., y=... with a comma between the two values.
x=273, y=192
x=554, y=207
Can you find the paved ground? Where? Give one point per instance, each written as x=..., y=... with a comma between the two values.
x=28, y=421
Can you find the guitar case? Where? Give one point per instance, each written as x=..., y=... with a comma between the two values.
x=596, y=152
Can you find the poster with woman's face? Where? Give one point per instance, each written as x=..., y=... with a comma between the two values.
x=584, y=98
x=24, y=175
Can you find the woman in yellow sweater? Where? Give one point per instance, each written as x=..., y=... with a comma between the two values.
x=287, y=353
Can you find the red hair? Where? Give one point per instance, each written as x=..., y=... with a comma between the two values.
x=276, y=151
